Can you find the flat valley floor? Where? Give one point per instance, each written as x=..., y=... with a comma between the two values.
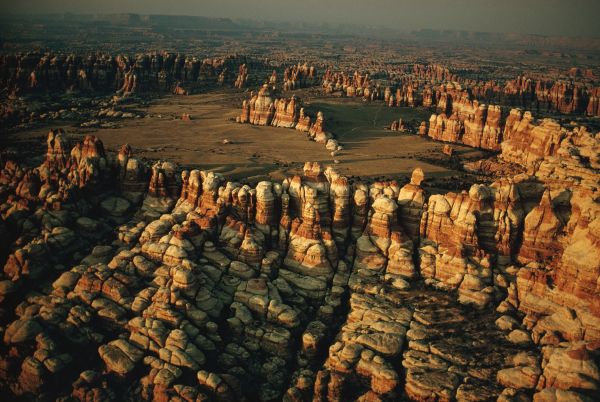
x=257, y=153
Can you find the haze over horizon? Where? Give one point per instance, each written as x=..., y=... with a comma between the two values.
x=546, y=17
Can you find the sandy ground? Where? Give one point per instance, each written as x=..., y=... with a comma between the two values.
x=258, y=152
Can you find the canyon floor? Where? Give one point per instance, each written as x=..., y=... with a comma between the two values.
x=254, y=153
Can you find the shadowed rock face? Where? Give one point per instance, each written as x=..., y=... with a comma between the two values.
x=181, y=284
x=168, y=72
x=240, y=81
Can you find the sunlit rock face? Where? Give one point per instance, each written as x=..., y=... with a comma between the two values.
x=262, y=110
x=286, y=113
x=411, y=201
x=261, y=107
x=97, y=73
x=318, y=287
x=304, y=123
x=482, y=127
x=317, y=131
x=471, y=123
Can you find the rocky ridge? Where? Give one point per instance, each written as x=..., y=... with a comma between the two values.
x=188, y=286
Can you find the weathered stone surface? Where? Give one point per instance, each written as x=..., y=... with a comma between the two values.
x=317, y=287
x=21, y=331
x=120, y=356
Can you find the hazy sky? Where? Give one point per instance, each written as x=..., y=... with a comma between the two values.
x=562, y=17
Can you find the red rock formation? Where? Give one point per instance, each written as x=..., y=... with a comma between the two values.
x=566, y=98
x=304, y=123
x=132, y=175
x=57, y=156
x=89, y=162
x=561, y=298
x=411, y=202
x=444, y=104
x=286, y=113
x=245, y=116
x=558, y=96
x=445, y=129
x=209, y=204
x=528, y=143
x=191, y=189
x=243, y=244
x=98, y=72
x=460, y=231
x=448, y=150
x=179, y=90
x=540, y=233
x=129, y=83
x=267, y=196
x=163, y=180
x=242, y=77
x=384, y=248
x=593, y=107
x=512, y=123
x=163, y=189
x=471, y=123
x=244, y=203
x=273, y=78
x=284, y=269
x=312, y=251
x=339, y=195
x=482, y=128
x=261, y=108
x=298, y=76
x=354, y=85
x=429, y=99
x=317, y=130
x=365, y=347
x=397, y=125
